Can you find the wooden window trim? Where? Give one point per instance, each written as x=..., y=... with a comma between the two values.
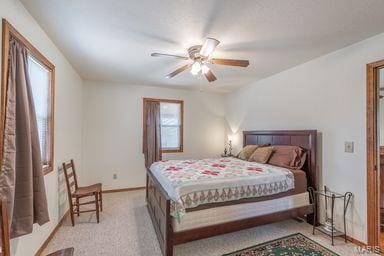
x=373, y=170
x=7, y=31
x=181, y=102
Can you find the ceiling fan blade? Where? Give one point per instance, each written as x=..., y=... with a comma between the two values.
x=210, y=76
x=381, y=88
x=156, y=54
x=177, y=71
x=208, y=46
x=229, y=62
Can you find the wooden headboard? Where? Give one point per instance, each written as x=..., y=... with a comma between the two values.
x=302, y=138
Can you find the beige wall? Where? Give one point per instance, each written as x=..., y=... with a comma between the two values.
x=68, y=126
x=112, y=123
x=327, y=94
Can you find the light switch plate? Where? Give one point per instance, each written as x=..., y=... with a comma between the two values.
x=349, y=147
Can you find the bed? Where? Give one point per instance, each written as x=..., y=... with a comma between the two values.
x=206, y=214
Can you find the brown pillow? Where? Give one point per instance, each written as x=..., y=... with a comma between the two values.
x=247, y=151
x=261, y=155
x=292, y=157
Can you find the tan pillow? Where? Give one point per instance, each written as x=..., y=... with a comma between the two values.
x=292, y=157
x=261, y=155
x=247, y=151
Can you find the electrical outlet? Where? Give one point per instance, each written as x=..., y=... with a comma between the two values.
x=349, y=147
x=115, y=176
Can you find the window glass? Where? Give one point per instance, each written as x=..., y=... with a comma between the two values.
x=40, y=84
x=170, y=115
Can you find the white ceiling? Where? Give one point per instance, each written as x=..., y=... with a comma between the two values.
x=112, y=40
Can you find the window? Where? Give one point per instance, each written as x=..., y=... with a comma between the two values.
x=40, y=78
x=171, y=120
x=41, y=74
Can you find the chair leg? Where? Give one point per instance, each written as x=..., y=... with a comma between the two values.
x=97, y=206
x=70, y=202
x=71, y=214
x=78, y=206
x=101, y=201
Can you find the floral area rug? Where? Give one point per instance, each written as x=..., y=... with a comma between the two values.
x=292, y=245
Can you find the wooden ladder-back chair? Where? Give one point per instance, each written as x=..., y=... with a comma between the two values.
x=76, y=192
x=5, y=240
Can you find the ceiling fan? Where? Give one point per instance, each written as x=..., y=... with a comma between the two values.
x=200, y=57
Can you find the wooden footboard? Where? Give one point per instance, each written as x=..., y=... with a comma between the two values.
x=159, y=205
x=233, y=226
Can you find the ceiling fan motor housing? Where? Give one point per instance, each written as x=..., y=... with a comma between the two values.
x=194, y=52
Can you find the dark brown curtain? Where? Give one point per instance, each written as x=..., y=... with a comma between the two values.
x=22, y=178
x=152, y=133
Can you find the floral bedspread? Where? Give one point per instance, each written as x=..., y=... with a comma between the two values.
x=190, y=183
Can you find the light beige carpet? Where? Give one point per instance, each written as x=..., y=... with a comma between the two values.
x=125, y=229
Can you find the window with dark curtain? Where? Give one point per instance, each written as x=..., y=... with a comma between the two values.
x=171, y=120
x=41, y=76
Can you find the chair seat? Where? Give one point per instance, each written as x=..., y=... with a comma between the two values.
x=88, y=190
x=64, y=252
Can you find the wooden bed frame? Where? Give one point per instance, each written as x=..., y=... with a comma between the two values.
x=159, y=203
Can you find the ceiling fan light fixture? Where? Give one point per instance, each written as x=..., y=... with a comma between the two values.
x=196, y=67
x=208, y=46
x=204, y=69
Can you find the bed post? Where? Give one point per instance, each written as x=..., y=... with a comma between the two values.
x=159, y=208
x=312, y=172
x=168, y=243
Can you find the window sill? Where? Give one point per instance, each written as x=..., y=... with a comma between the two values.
x=47, y=169
x=177, y=150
